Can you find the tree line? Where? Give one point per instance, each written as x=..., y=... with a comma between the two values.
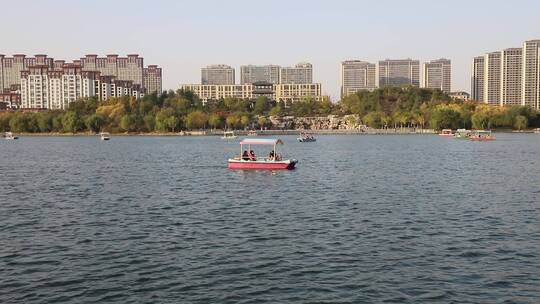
x=388, y=107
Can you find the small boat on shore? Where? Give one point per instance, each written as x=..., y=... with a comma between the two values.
x=105, y=136
x=462, y=134
x=252, y=133
x=536, y=131
x=249, y=161
x=481, y=135
x=304, y=137
x=228, y=135
x=9, y=135
x=446, y=133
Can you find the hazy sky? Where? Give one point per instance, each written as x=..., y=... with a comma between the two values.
x=183, y=36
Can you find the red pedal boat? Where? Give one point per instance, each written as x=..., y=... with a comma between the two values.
x=273, y=161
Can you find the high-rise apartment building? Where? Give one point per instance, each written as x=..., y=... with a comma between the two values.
x=44, y=87
x=511, y=74
x=492, y=78
x=530, y=93
x=399, y=72
x=259, y=73
x=508, y=77
x=437, y=74
x=123, y=68
x=217, y=74
x=357, y=75
x=11, y=67
x=302, y=73
x=477, y=79
x=152, y=79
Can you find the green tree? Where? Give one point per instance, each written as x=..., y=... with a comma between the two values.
x=521, y=122
x=71, y=122
x=232, y=121
x=128, y=123
x=261, y=105
x=19, y=122
x=161, y=118
x=94, y=122
x=275, y=111
x=149, y=123
x=214, y=120
x=45, y=122
x=262, y=121
x=244, y=121
x=196, y=120
x=172, y=123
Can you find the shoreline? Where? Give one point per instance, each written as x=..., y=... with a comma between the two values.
x=266, y=132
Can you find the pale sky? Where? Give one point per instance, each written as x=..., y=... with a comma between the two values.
x=183, y=36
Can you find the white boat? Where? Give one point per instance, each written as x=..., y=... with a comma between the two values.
x=252, y=133
x=9, y=135
x=536, y=131
x=228, y=135
x=304, y=137
x=105, y=136
x=462, y=134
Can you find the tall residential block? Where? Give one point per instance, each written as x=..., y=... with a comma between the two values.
x=437, y=74
x=152, y=79
x=123, y=68
x=399, y=72
x=302, y=73
x=357, y=75
x=511, y=74
x=259, y=73
x=492, y=78
x=531, y=74
x=477, y=79
x=45, y=87
x=217, y=74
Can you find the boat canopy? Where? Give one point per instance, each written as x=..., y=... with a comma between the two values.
x=261, y=141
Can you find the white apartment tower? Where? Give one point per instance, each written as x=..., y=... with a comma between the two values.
x=477, y=80
x=492, y=78
x=530, y=93
x=302, y=73
x=437, y=74
x=259, y=73
x=399, y=72
x=152, y=79
x=217, y=74
x=511, y=74
x=357, y=75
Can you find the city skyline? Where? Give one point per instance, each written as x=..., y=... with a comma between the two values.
x=319, y=33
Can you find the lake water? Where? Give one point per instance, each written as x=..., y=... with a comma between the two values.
x=363, y=219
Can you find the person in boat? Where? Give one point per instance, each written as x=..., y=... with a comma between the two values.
x=245, y=155
x=271, y=156
x=252, y=155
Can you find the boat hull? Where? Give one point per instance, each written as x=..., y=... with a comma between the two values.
x=262, y=165
x=482, y=139
x=306, y=140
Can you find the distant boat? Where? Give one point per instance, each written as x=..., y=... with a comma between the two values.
x=446, y=133
x=9, y=135
x=462, y=134
x=304, y=137
x=105, y=136
x=228, y=135
x=481, y=135
x=252, y=133
x=536, y=131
